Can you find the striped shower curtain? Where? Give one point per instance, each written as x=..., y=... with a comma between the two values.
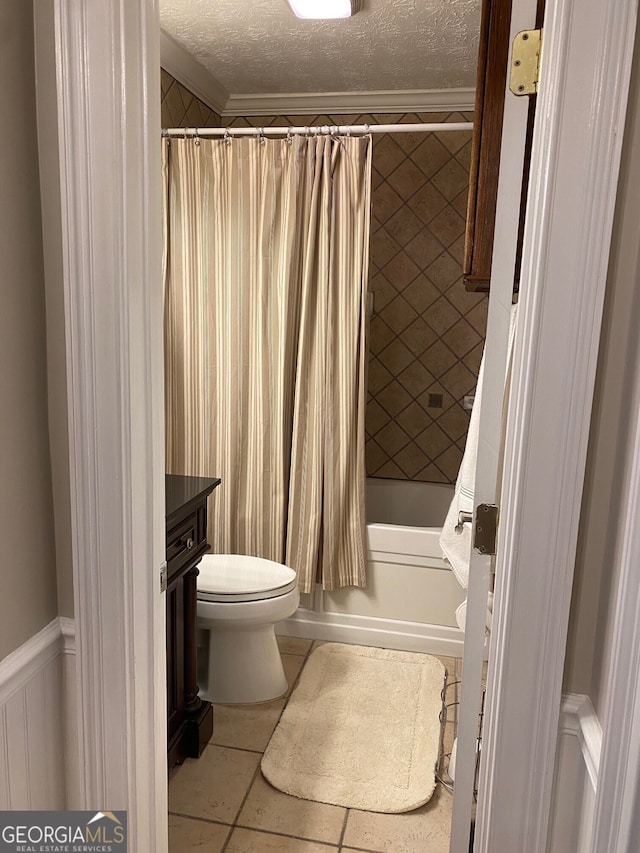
x=266, y=258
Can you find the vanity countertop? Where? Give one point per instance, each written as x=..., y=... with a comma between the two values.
x=180, y=491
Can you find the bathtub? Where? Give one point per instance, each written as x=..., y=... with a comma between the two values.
x=411, y=595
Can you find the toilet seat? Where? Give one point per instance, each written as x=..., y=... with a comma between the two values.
x=237, y=578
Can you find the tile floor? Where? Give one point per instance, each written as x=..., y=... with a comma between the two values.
x=221, y=803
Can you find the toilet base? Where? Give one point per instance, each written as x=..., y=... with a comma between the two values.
x=244, y=666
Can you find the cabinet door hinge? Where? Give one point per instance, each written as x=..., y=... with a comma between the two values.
x=485, y=535
x=525, y=62
x=163, y=578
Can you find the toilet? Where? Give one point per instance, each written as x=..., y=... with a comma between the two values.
x=240, y=599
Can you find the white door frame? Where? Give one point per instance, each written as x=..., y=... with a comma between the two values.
x=490, y=426
x=587, y=55
x=616, y=809
x=108, y=106
x=107, y=81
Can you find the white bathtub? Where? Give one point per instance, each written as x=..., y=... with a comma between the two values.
x=407, y=504
x=411, y=595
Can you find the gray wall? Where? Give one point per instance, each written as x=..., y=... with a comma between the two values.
x=54, y=296
x=596, y=582
x=28, y=595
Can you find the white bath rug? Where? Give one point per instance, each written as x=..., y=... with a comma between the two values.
x=361, y=730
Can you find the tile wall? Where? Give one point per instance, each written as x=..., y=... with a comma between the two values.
x=180, y=107
x=427, y=332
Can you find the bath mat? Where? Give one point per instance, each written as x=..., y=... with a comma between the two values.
x=361, y=730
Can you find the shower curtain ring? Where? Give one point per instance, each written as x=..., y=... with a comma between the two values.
x=197, y=136
x=289, y=138
x=227, y=137
x=261, y=136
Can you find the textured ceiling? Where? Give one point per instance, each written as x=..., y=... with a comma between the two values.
x=260, y=47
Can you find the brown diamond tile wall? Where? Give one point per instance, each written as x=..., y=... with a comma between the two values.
x=180, y=108
x=427, y=332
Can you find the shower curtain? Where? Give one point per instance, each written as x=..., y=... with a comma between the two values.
x=265, y=276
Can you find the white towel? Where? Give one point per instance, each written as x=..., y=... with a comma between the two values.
x=456, y=547
x=452, y=760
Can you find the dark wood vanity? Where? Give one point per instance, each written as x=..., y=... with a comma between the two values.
x=189, y=718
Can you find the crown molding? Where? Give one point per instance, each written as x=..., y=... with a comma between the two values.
x=188, y=71
x=331, y=103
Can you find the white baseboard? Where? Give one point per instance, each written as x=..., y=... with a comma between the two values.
x=576, y=775
x=373, y=631
x=32, y=754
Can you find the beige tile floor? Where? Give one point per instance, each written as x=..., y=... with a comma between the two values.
x=222, y=804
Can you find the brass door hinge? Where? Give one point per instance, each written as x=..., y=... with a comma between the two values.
x=163, y=578
x=525, y=62
x=485, y=534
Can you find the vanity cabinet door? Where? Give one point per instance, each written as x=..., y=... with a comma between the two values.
x=189, y=718
x=175, y=665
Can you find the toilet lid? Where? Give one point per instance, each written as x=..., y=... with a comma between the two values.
x=236, y=577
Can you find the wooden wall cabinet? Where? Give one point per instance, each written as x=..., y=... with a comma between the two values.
x=493, y=57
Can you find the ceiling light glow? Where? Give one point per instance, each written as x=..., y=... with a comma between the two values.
x=321, y=9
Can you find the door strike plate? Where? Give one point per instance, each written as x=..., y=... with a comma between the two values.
x=486, y=529
x=525, y=62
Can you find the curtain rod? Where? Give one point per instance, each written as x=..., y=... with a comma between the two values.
x=341, y=130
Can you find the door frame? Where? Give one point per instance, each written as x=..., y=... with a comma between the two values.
x=490, y=428
x=618, y=771
x=575, y=164
x=99, y=63
x=108, y=118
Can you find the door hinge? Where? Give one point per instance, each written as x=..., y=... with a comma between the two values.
x=485, y=534
x=525, y=62
x=163, y=578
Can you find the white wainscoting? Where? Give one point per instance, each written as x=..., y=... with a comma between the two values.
x=38, y=750
x=32, y=736
x=576, y=776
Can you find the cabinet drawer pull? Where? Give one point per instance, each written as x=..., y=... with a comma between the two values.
x=186, y=543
